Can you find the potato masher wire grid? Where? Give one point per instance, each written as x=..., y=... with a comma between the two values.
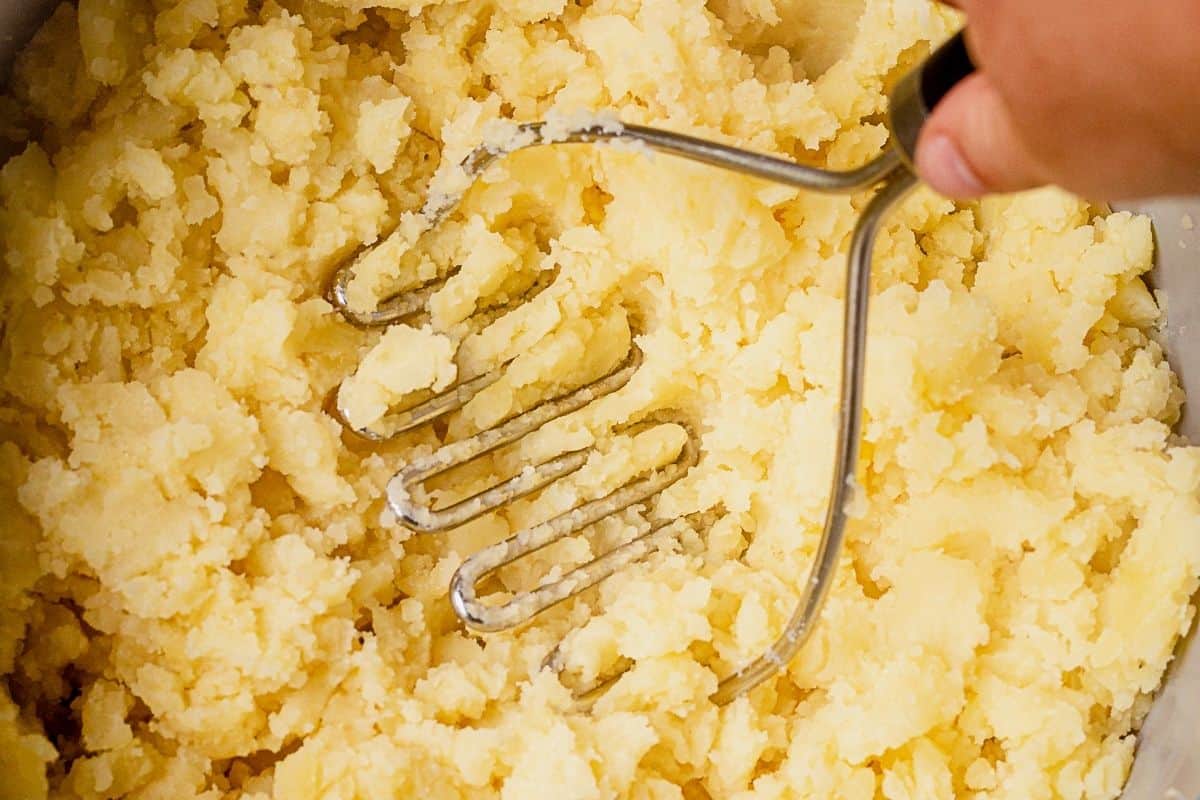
x=910, y=103
x=408, y=500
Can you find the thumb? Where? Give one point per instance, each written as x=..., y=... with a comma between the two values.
x=969, y=145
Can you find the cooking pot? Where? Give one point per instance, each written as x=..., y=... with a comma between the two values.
x=1167, y=765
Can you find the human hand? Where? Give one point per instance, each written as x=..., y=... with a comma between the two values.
x=1101, y=97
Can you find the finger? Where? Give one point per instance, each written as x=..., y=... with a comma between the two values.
x=970, y=147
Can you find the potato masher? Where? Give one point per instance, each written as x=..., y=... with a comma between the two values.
x=910, y=103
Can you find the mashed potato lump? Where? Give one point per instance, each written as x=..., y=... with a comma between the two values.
x=202, y=594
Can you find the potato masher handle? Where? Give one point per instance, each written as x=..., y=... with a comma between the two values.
x=918, y=93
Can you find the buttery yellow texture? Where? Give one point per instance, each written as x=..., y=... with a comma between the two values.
x=202, y=596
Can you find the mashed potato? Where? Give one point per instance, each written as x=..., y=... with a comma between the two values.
x=202, y=596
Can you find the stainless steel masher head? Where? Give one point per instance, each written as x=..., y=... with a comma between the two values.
x=910, y=103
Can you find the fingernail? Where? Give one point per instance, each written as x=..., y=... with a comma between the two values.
x=943, y=166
